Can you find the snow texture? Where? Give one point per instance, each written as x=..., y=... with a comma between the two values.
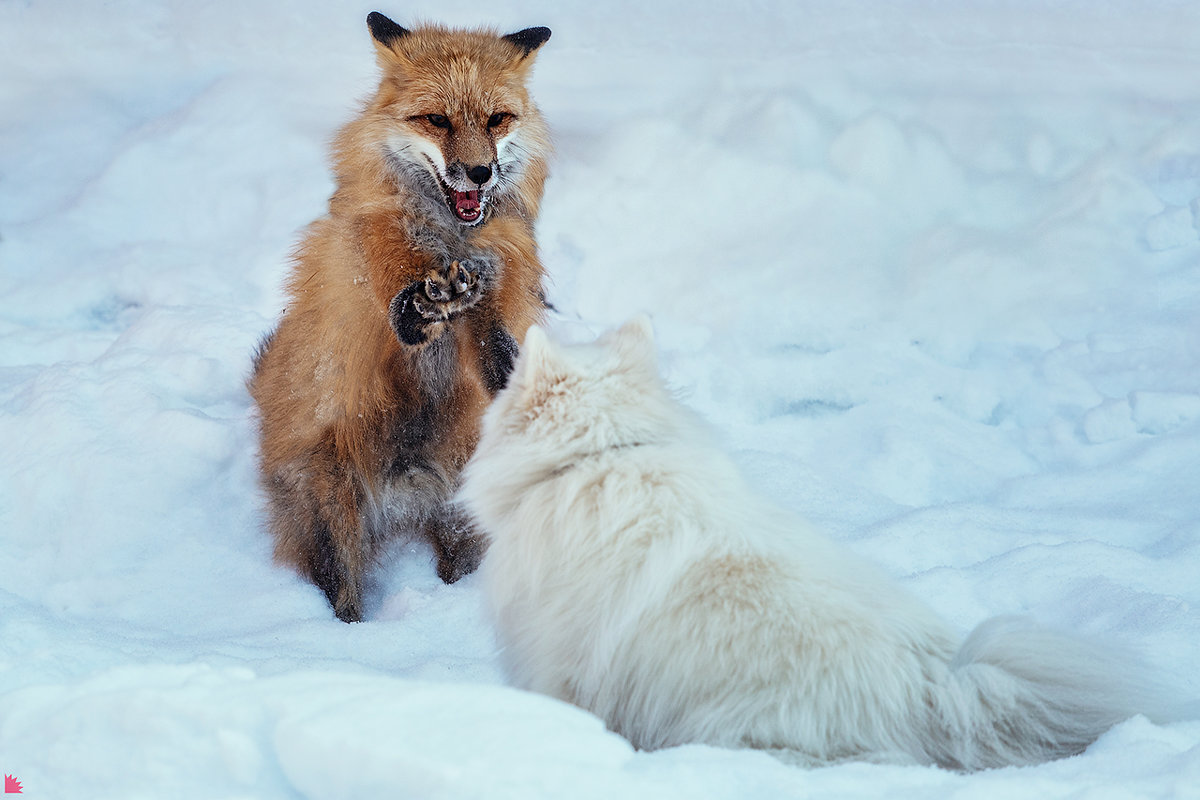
x=932, y=270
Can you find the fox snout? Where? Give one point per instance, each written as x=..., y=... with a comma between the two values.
x=474, y=177
x=480, y=174
x=467, y=189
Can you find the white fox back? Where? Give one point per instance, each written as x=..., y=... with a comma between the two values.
x=634, y=573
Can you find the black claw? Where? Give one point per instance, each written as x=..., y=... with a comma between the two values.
x=435, y=292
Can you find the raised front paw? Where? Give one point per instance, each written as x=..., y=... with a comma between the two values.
x=420, y=312
x=450, y=290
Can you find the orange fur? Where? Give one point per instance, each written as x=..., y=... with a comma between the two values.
x=403, y=314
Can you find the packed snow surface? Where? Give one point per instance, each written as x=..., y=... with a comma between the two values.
x=931, y=269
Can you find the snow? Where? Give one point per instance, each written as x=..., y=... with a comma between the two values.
x=931, y=269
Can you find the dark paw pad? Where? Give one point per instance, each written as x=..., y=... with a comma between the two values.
x=418, y=313
x=452, y=283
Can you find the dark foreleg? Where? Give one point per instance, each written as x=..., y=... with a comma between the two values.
x=458, y=544
x=499, y=353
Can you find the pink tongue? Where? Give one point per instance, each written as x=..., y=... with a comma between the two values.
x=466, y=204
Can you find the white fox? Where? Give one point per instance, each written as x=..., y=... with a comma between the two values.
x=632, y=572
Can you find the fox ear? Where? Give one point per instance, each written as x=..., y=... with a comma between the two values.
x=528, y=40
x=633, y=342
x=538, y=354
x=384, y=30
x=638, y=328
x=536, y=341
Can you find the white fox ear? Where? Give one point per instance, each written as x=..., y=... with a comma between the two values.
x=634, y=342
x=536, y=341
x=538, y=354
x=638, y=328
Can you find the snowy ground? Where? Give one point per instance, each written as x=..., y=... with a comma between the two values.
x=933, y=269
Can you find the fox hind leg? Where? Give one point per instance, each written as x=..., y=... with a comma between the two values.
x=329, y=569
x=316, y=520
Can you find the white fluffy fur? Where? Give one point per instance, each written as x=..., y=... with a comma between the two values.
x=633, y=572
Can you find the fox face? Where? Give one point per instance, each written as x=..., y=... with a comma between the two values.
x=455, y=114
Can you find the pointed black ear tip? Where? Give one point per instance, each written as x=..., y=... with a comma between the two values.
x=529, y=39
x=384, y=30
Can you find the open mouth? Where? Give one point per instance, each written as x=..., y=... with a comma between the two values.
x=467, y=206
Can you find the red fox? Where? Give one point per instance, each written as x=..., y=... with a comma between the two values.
x=407, y=302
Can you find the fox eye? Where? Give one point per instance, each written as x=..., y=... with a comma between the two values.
x=438, y=120
x=498, y=118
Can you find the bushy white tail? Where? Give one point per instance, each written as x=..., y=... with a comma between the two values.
x=1019, y=694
